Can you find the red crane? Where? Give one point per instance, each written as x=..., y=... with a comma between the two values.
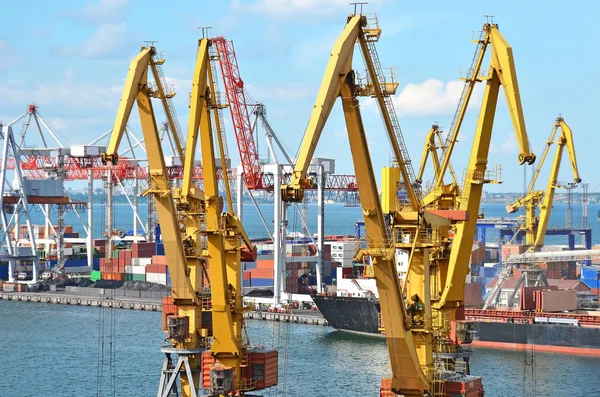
x=240, y=115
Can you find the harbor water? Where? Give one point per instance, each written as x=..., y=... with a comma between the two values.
x=338, y=219
x=57, y=350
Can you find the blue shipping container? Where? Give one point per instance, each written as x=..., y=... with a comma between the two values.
x=264, y=252
x=160, y=249
x=96, y=264
x=76, y=262
x=249, y=265
x=590, y=273
x=168, y=277
x=246, y=283
x=262, y=282
x=4, y=272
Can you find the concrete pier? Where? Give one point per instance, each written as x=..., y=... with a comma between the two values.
x=120, y=302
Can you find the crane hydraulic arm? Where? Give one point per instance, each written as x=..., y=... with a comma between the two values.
x=502, y=73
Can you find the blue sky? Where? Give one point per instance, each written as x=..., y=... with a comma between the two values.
x=71, y=58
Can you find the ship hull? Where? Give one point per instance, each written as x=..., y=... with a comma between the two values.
x=360, y=315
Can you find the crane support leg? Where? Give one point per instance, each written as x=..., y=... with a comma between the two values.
x=408, y=378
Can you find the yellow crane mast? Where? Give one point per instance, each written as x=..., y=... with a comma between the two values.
x=535, y=228
x=195, y=233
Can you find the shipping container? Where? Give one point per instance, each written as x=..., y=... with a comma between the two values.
x=590, y=273
x=95, y=275
x=261, y=273
x=158, y=278
x=156, y=268
x=261, y=282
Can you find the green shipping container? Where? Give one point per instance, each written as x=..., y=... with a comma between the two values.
x=96, y=275
x=135, y=277
x=139, y=277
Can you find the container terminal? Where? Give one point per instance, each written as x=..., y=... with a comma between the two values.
x=418, y=268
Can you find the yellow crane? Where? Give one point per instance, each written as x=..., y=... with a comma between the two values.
x=535, y=227
x=419, y=336
x=195, y=233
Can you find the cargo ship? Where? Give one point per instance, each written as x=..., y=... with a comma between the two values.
x=354, y=307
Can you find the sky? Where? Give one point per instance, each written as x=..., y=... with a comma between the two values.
x=71, y=57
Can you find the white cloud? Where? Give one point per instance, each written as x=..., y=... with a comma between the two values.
x=280, y=9
x=102, y=11
x=430, y=98
x=110, y=39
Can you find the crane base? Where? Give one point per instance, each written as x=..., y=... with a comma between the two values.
x=167, y=387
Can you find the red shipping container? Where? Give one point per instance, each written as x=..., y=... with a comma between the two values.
x=247, y=275
x=261, y=273
x=156, y=268
x=265, y=263
x=143, y=250
x=267, y=361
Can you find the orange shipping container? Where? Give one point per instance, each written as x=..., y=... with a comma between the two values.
x=168, y=308
x=261, y=273
x=159, y=260
x=265, y=263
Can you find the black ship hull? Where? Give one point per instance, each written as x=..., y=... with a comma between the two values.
x=361, y=315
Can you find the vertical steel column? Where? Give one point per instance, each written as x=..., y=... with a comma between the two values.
x=90, y=220
x=136, y=207
x=240, y=194
x=277, y=254
x=320, y=226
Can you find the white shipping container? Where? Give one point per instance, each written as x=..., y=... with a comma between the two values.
x=157, y=278
x=68, y=251
x=135, y=269
x=173, y=161
x=141, y=261
x=78, y=150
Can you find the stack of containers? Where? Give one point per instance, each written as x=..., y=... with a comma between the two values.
x=156, y=272
x=262, y=274
x=512, y=249
x=141, y=256
x=247, y=281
